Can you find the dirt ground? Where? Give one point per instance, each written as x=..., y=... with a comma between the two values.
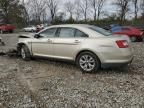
x=51, y=84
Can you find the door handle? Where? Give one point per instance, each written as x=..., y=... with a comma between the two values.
x=77, y=41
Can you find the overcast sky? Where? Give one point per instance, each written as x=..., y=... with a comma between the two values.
x=107, y=8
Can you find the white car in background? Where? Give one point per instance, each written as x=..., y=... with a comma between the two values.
x=30, y=29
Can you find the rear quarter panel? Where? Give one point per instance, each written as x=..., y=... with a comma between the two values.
x=95, y=45
x=105, y=48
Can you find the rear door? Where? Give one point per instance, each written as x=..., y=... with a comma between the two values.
x=67, y=42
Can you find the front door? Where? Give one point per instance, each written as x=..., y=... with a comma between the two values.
x=43, y=46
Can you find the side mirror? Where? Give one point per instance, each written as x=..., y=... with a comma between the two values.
x=37, y=36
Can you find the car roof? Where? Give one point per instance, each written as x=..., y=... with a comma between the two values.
x=83, y=27
x=71, y=25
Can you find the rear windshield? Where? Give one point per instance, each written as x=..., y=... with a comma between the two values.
x=100, y=30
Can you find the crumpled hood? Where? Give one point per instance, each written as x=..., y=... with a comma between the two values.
x=30, y=35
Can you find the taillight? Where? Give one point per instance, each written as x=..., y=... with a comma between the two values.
x=122, y=44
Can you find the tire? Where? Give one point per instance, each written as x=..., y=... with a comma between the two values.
x=25, y=53
x=133, y=39
x=11, y=31
x=88, y=62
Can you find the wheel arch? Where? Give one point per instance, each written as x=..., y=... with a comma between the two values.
x=19, y=46
x=87, y=50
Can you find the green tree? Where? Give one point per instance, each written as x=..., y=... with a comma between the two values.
x=13, y=11
x=123, y=6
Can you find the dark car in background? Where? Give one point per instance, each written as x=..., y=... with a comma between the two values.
x=141, y=28
x=7, y=28
x=135, y=34
x=109, y=27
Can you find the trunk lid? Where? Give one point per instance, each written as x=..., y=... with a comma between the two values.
x=120, y=37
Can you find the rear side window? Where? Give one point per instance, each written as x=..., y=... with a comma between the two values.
x=78, y=33
x=48, y=33
x=67, y=32
x=100, y=30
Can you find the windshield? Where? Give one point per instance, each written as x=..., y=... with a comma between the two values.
x=100, y=30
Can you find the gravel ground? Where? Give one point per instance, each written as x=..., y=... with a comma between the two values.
x=49, y=84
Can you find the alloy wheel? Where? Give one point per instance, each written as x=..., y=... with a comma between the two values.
x=23, y=53
x=87, y=62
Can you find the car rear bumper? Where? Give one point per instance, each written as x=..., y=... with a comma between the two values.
x=116, y=57
x=117, y=63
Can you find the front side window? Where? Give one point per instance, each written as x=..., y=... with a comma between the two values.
x=67, y=33
x=48, y=33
